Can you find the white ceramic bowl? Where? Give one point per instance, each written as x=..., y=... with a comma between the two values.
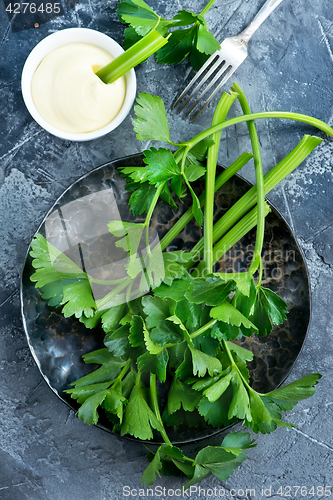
x=56, y=40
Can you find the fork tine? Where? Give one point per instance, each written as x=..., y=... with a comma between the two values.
x=223, y=69
x=213, y=94
x=202, y=81
x=195, y=78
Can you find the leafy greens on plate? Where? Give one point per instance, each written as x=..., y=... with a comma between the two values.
x=172, y=321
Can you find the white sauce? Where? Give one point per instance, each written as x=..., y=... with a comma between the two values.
x=69, y=95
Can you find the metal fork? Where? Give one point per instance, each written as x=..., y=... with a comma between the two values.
x=224, y=62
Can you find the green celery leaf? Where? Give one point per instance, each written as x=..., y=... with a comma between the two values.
x=297, y=390
x=167, y=198
x=206, y=344
x=130, y=37
x=216, y=413
x=223, y=331
x=88, y=411
x=215, y=390
x=211, y=290
x=138, y=14
x=199, y=151
x=203, y=363
x=205, y=41
x=178, y=47
x=101, y=357
x=153, y=470
x=93, y=321
x=263, y=307
x=128, y=383
x=197, y=59
x=182, y=395
x=160, y=165
x=269, y=309
x=157, y=309
x=178, y=186
x=177, y=290
x=194, y=172
x=199, y=474
x=53, y=292
x=154, y=266
x=174, y=419
x=186, y=17
x=166, y=333
x=240, y=403
x=130, y=232
x=219, y=461
x=243, y=355
x=78, y=300
x=184, y=369
x=117, y=341
x=139, y=419
x=165, y=454
x=114, y=402
x=111, y=318
x=154, y=363
x=176, y=353
x=244, y=281
x=136, y=337
x=174, y=263
x=196, y=208
x=227, y=313
x=48, y=257
x=261, y=419
x=204, y=383
x=189, y=314
x=151, y=123
x=141, y=199
x=110, y=368
x=238, y=440
x=176, y=321
x=81, y=394
x=151, y=346
x=136, y=174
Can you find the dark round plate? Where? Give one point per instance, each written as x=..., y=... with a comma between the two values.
x=77, y=225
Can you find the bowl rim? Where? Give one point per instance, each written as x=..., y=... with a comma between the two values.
x=59, y=39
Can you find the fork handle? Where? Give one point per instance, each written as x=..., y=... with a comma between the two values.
x=261, y=16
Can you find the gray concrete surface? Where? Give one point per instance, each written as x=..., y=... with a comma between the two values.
x=46, y=453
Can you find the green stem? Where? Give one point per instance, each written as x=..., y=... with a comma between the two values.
x=102, y=303
x=188, y=215
x=248, y=222
x=133, y=56
x=220, y=114
x=150, y=213
x=248, y=200
x=256, y=259
x=206, y=9
x=156, y=408
x=122, y=373
x=186, y=150
x=105, y=282
x=286, y=115
x=232, y=361
x=203, y=328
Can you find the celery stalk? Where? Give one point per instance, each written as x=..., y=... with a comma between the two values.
x=256, y=260
x=248, y=200
x=245, y=225
x=220, y=115
x=188, y=215
x=133, y=56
